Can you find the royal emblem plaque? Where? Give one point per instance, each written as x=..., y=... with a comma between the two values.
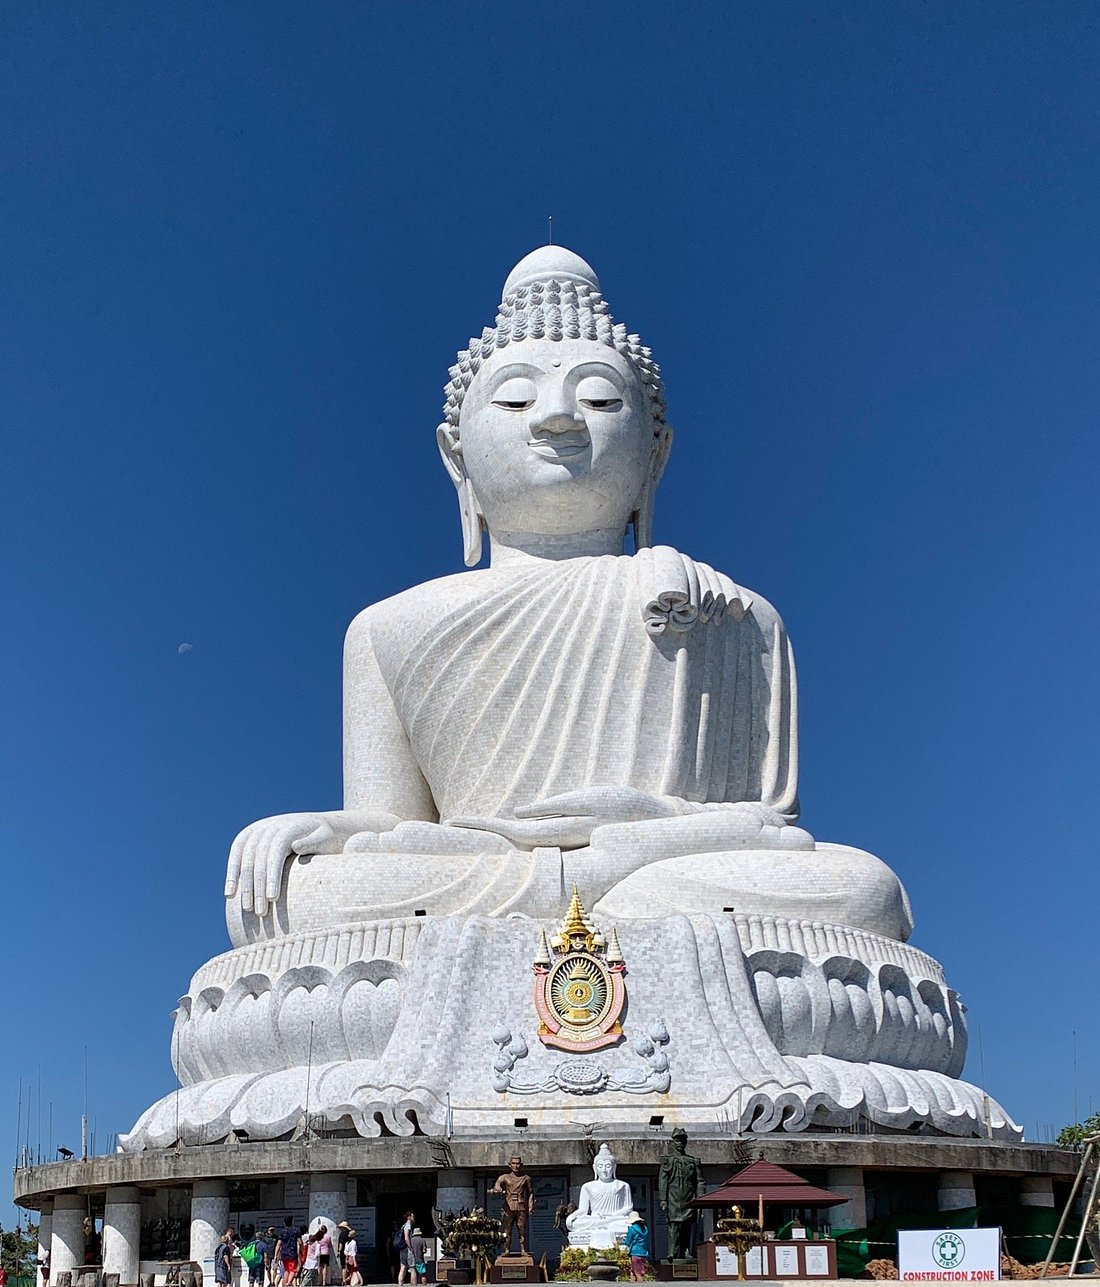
x=580, y=989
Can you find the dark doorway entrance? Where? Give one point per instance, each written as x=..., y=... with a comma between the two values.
x=391, y=1216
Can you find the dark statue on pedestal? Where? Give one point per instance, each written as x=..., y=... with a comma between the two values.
x=679, y=1182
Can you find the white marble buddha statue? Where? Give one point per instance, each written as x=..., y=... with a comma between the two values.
x=572, y=713
x=604, y=1206
x=588, y=711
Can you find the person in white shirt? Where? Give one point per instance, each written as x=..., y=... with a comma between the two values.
x=352, y=1276
x=312, y=1266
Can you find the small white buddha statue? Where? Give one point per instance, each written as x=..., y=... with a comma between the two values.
x=604, y=1206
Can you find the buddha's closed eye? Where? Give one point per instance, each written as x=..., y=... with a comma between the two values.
x=596, y=393
x=516, y=394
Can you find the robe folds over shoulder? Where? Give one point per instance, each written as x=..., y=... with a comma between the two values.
x=649, y=670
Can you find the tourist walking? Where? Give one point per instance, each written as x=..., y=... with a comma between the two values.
x=287, y=1251
x=406, y=1248
x=324, y=1255
x=343, y=1230
x=312, y=1264
x=254, y=1252
x=270, y=1240
x=395, y=1250
x=352, y=1276
x=418, y=1249
x=223, y=1260
x=636, y=1242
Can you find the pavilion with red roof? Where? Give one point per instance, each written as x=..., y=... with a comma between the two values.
x=762, y=1183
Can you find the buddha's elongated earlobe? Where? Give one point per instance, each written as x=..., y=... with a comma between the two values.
x=642, y=518
x=470, y=512
x=472, y=525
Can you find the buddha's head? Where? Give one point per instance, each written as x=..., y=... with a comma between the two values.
x=604, y=1164
x=555, y=418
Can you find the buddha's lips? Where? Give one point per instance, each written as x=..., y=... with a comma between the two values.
x=551, y=449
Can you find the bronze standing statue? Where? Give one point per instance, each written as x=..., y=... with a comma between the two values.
x=680, y=1180
x=519, y=1203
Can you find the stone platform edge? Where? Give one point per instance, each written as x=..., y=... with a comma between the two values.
x=160, y=1167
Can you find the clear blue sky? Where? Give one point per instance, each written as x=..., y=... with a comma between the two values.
x=242, y=243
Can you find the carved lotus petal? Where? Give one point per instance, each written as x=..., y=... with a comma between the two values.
x=368, y=1014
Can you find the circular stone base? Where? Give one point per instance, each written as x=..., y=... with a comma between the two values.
x=759, y=1022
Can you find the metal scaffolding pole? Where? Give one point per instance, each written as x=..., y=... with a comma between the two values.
x=1090, y=1206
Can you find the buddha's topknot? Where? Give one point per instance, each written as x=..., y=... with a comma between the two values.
x=555, y=310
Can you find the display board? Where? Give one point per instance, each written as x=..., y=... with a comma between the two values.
x=786, y=1261
x=801, y=1258
x=817, y=1261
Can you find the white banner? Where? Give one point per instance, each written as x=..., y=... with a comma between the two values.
x=949, y=1255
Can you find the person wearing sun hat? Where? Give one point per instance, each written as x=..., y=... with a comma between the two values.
x=418, y=1254
x=636, y=1242
x=352, y=1275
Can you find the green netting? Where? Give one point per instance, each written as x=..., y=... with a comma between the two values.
x=1028, y=1231
x=1027, y=1234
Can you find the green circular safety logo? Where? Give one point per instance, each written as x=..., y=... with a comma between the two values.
x=948, y=1251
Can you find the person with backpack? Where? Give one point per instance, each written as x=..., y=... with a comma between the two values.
x=402, y=1240
x=253, y=1252
x=393, y=1251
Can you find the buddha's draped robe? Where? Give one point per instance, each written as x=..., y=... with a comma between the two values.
x=650, y=670
x=604, y=1199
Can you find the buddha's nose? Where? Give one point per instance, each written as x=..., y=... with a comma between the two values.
x=559, y=420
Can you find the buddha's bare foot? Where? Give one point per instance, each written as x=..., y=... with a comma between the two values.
x=745, y=825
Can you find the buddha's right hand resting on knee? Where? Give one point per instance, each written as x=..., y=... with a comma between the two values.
x=260, y=852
